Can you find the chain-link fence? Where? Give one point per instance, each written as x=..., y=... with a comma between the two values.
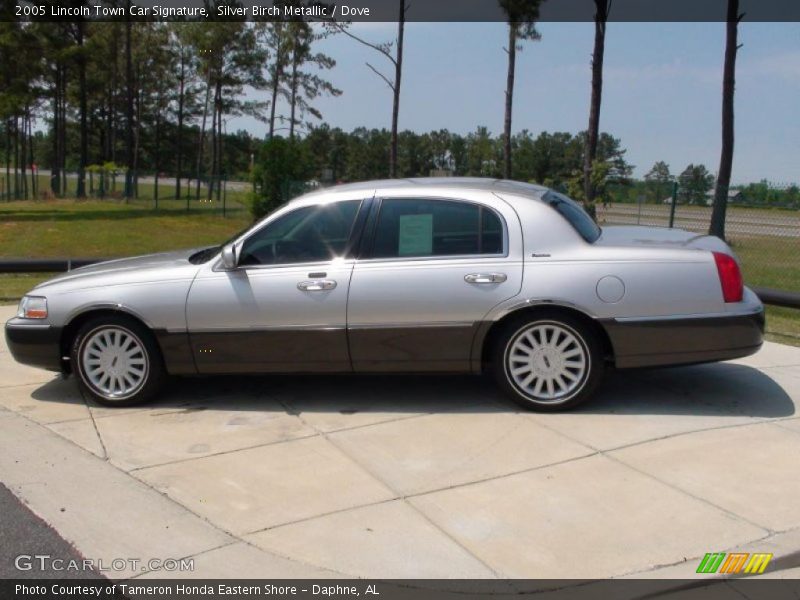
x=762, y=226
x=215, y=195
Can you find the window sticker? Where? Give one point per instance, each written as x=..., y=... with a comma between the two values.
x=416, y=235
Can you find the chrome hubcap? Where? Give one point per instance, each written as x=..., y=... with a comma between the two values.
x=115, y=363
x=547, y=362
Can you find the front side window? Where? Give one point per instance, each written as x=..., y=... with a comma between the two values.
x=414, y=228
x=308, y=234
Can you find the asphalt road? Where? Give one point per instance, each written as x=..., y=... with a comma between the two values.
x=739, y=221
x=23, y=533
x=241, y=186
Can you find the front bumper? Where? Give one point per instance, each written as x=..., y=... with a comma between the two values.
x=685, y=340
x=34, y=344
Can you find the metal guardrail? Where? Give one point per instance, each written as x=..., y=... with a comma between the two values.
x=778, y=297
x=59, y=265
x=45, y=265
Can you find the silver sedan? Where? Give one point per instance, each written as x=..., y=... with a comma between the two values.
x=437, y=275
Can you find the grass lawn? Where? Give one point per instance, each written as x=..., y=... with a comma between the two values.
x=107, y=229
x=769, y=261
x=67, y=228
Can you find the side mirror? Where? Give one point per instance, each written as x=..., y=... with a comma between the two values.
x=229, y=258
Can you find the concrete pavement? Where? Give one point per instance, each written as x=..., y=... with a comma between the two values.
x=415, y=476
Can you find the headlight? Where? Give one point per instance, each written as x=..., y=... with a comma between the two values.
x=32, y=307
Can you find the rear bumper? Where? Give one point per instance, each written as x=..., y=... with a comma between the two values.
x=34, y=344
x=664, y=341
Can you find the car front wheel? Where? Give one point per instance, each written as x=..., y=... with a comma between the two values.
x=548, y=363
x=117, y=361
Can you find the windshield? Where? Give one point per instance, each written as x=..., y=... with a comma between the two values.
x=572, y=212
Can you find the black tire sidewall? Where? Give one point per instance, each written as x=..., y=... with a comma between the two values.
x=155, y=370
x=585, y=337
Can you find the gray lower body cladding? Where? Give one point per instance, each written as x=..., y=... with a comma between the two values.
x=681, y=341
x=635, y=343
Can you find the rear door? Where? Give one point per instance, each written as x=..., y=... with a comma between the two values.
x=430, y=270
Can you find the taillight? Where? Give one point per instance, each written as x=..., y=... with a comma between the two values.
x=730, y=277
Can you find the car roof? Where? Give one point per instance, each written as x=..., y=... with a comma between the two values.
x=452, y=183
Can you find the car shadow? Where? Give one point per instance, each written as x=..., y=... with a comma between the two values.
x=706, y=390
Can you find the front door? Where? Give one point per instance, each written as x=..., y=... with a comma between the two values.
x=435, y=268
x=284, y=307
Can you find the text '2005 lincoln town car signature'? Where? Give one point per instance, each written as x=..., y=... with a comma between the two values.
x=447, y=275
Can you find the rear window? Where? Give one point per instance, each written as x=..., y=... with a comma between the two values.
x=572, y=212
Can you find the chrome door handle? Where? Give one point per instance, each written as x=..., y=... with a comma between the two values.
x=485, y=278
x=316, y=285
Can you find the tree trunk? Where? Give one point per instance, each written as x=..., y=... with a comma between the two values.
x=17, y=187
x=200, y=141
x=179, y=136
x=512, y=58
x=63, y=134
x=157, y=157
x=112, y=105
x=129, y=151
x=398, y=72
x=717, y=226
x=293, y=100
x=137, y=138
x=276, y=81
x=34, y=175
x=214, y=141
x=84, y=133
x=54, y=172
x=220, y=169
x=8, y=160
x=590, y=151
x=23, y=153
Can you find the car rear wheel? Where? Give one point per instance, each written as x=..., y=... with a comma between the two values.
x=117, y=361
x=548, y=362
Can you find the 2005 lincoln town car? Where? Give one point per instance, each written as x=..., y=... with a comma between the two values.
x=457, y=275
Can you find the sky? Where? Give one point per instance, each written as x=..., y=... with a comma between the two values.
x=662, y=88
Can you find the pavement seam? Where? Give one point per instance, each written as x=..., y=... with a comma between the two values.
x=215, y=526
x=220, y=453
x=397, y=495
x=225, y=545
x=765, y=538
x=317, y=433
x=679, y=489
x=236, y=537
x=761, y=421
x=238, y=540
x=692, y=558
x=418, y=494
x=94, y=426
x=778, y=424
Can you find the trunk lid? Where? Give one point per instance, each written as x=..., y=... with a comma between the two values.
x=659, y=237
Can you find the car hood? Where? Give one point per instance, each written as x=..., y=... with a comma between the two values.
x=137, y=268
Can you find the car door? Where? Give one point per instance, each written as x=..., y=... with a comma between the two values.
x=284, y=307
x=433, y=269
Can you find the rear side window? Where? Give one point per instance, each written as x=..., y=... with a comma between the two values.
x=421, y=227
x=572, y=212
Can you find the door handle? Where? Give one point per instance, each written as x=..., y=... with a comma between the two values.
x=316, y=285
x=485, y=278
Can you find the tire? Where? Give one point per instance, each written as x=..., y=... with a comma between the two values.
x=548, y=362
x=117, y=361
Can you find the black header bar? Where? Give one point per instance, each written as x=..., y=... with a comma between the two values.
x=387, y=10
